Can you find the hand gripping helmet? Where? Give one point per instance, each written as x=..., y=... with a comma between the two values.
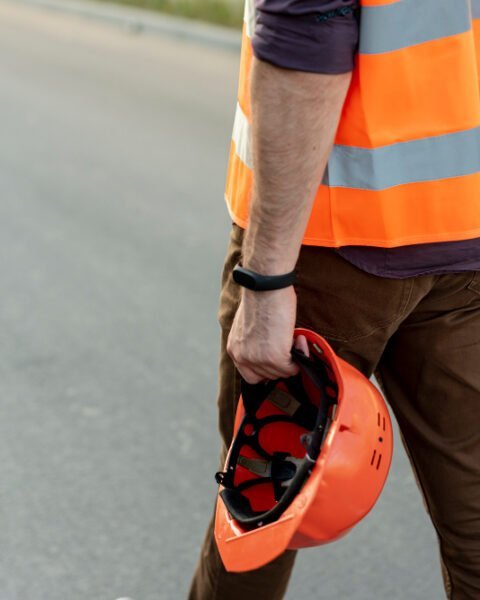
x=309, y=458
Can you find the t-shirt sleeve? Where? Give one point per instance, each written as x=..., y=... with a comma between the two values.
x=318, y=36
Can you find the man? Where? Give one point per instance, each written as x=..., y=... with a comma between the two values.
x=384, y=239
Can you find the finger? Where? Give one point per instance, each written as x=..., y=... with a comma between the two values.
x=266, y=372
x=279, y=369
x=302, y=344
x=250, y=375
x=289, y=369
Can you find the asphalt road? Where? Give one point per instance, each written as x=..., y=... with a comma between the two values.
x=113, y=228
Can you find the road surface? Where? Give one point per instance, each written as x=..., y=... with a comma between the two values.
x=113, y=228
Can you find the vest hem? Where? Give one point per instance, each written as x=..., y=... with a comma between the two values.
x=455, y=236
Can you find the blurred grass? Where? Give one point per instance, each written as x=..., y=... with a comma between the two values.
x=220, y=12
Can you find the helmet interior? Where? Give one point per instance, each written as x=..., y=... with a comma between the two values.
x=279, y=440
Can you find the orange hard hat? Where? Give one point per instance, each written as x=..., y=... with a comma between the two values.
x=309, y=458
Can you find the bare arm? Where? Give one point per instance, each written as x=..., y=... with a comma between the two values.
x=295, y=117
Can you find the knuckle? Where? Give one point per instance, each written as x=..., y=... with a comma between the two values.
x=250, y=377
x=240, y=358
x=230, y=348
x=250, y=358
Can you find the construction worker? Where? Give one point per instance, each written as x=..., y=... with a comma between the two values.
x=354, y=175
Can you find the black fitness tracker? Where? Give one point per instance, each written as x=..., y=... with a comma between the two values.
x=261, y=283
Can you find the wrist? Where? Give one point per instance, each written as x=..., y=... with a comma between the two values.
x=252, y=297
x=268, y=255
x=268, y=267
x=259, y=282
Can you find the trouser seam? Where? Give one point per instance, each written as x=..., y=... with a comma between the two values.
x=427, y=503
x=423, y=492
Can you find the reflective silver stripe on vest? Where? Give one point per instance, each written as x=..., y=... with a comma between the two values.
x=249, y=17
x=476, y=9
x=242, y=137
x=409, y=22
x=428, y=159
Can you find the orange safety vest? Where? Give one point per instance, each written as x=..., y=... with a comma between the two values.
x=405, y=166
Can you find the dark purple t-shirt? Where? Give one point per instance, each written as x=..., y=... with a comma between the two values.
x=321, y=36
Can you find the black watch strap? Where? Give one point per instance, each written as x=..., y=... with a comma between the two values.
x=261, y=283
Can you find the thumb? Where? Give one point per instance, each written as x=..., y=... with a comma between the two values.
x=302, y=344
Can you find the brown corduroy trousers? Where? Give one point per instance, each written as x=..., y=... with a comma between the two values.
x=420, y=336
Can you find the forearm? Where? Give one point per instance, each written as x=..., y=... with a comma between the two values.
x=301, y=72
x=295, y=117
